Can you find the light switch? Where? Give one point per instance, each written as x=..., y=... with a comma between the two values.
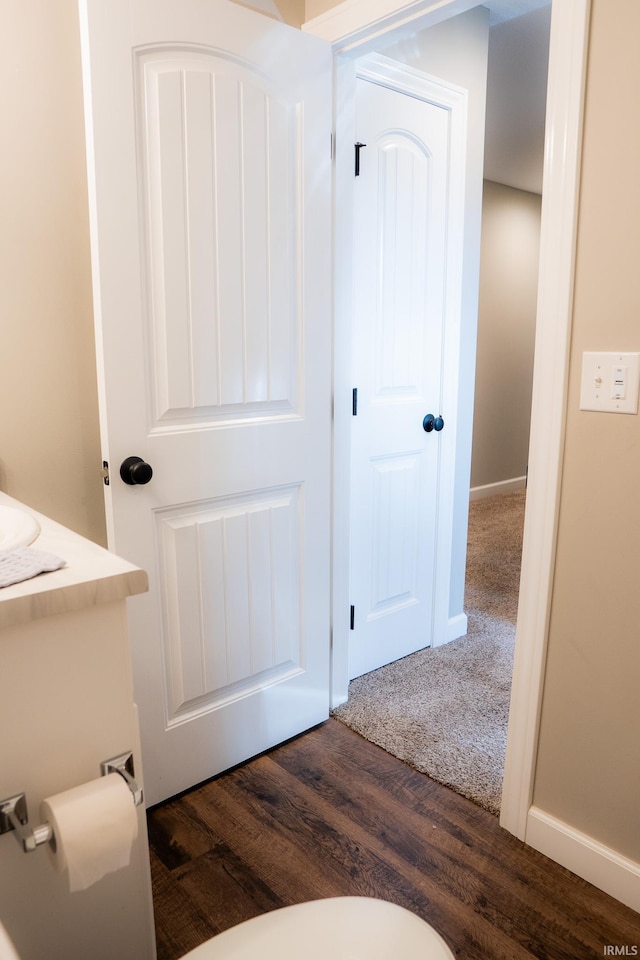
x=610, y=382
x=619, y=388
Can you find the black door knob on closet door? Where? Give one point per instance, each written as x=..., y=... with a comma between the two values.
x=432, y=423
x=134, y=470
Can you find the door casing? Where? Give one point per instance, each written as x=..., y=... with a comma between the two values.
x=354, y=29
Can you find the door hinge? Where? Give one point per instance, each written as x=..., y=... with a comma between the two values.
x=352, y=618
x=358, y=147
x=333, y=145
x=354, y=402
x=104, y=473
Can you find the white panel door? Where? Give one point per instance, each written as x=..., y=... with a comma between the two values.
x=209, y=165
x=401, y=247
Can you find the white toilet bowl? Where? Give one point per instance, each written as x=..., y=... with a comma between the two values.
x=342, y=928
x=7, y=950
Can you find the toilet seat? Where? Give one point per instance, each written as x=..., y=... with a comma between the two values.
x=343, y=928
x=7, y=949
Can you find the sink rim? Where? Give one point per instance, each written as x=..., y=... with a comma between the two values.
x=18, y=528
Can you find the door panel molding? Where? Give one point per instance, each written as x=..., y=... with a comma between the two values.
x=218, y=146
x=237, y=619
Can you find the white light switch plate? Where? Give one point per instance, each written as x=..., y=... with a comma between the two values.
x=610, y=382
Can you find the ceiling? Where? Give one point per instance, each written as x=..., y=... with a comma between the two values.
x=501, y=10
x=516, y=92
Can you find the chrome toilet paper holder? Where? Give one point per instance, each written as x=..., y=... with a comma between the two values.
x=14, y=816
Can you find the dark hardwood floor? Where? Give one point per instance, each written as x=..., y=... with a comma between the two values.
x=329, y=814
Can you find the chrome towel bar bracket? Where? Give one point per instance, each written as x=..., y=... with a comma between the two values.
x=14, y=816
x=123, y=764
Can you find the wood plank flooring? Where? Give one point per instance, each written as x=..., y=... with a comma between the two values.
x=329, y=814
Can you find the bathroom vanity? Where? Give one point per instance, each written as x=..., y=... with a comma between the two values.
x=66, y=705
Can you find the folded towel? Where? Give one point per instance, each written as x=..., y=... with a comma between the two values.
x=23, y=563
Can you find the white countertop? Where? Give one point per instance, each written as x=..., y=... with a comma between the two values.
x=91, y=576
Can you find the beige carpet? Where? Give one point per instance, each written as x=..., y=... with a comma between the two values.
x=444, y=711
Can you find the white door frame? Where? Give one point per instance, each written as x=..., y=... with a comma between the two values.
x=354, y=28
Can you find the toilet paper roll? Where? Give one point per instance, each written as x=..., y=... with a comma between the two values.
x=94, y=827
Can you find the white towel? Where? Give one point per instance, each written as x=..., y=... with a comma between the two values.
x=23, y=563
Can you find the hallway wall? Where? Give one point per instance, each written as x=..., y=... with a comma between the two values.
x=506, y=333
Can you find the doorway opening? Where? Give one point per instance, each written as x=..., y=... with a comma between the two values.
x=337, y=690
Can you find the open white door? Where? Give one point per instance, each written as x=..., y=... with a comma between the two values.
x=407, y=255
x=208, y=130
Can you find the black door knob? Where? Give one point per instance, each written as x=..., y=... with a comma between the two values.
x=432, y=423
x=134, y=470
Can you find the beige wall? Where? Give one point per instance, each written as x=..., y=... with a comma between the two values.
x=588, y=771
x=506, y=333
x=49, y=448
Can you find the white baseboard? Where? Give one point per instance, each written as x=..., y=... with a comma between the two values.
x=337, y=699
x=495, y=489
x=456, y=627
x=584, y=856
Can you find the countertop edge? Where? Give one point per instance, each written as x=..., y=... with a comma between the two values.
x=17, y=611
x=91, y=576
